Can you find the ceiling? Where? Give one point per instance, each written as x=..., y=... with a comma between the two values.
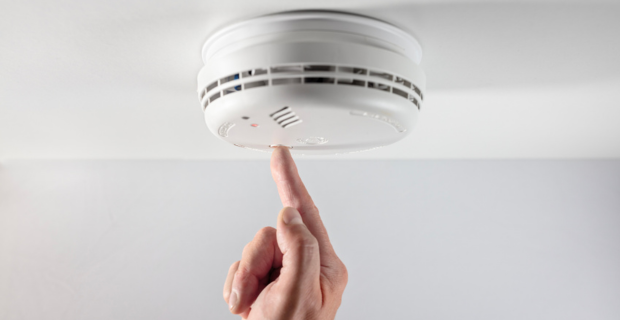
x=116, y=79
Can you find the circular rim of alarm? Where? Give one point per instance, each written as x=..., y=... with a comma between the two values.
x=345, y=22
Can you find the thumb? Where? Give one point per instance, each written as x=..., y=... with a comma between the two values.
x=301, y=264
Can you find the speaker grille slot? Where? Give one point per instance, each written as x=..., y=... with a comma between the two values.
x=285, y=117
x=292, y=123
x=277, y=112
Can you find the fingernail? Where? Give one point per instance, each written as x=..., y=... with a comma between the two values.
x=232, y=300
x=291, y=216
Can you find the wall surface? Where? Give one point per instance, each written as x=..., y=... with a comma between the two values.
x=421, y=239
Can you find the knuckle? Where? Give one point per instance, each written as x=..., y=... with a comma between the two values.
x=313, y=210
x=234, y=266
x=312, y=310
x=338, y=278
x=343, y=275
x=343, y=269
x=247, y=248
x=306, y=246
x=265, y=233
x=263, y=236
x=304, y=239
x=242, y=274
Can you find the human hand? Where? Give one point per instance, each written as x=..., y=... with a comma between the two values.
x=291, y=272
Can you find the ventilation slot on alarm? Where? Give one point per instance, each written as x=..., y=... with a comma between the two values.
x=214, y=97
x=281, y=69
x=253, y=72
x=353, y=70
x=352, y=82
x=229, y=78
x=255, y=84
x=318, y=80
x=231, y=90
x=319, y=68
x=415, y=101
x=417, y=90
x=276, y=82
x=403, y=82
x=383, y=75
x=314, y=74
x=400, y=93
x=378, y=86
x=285, y=117
x=211, y=86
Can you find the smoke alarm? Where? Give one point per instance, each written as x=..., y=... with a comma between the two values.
x=315, y=82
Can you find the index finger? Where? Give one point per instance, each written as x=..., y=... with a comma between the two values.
x=293, y=193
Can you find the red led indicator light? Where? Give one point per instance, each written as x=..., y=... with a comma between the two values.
x=254, y=125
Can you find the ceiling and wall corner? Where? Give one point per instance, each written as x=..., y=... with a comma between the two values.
x=131, y=234
x=116, y=79
x=422, y=239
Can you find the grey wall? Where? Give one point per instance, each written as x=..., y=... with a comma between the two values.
x=421, y=239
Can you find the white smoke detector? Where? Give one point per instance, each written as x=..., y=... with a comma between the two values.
x=316, y=82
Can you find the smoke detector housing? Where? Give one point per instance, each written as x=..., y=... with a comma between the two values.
x=316, y=82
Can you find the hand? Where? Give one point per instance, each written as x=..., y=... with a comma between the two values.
x=291, y=272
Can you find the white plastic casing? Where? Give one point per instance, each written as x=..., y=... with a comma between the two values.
x=317, y=82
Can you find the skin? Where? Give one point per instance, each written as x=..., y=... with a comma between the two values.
x=291, y=272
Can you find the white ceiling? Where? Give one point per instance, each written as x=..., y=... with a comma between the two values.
x=116, y=79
